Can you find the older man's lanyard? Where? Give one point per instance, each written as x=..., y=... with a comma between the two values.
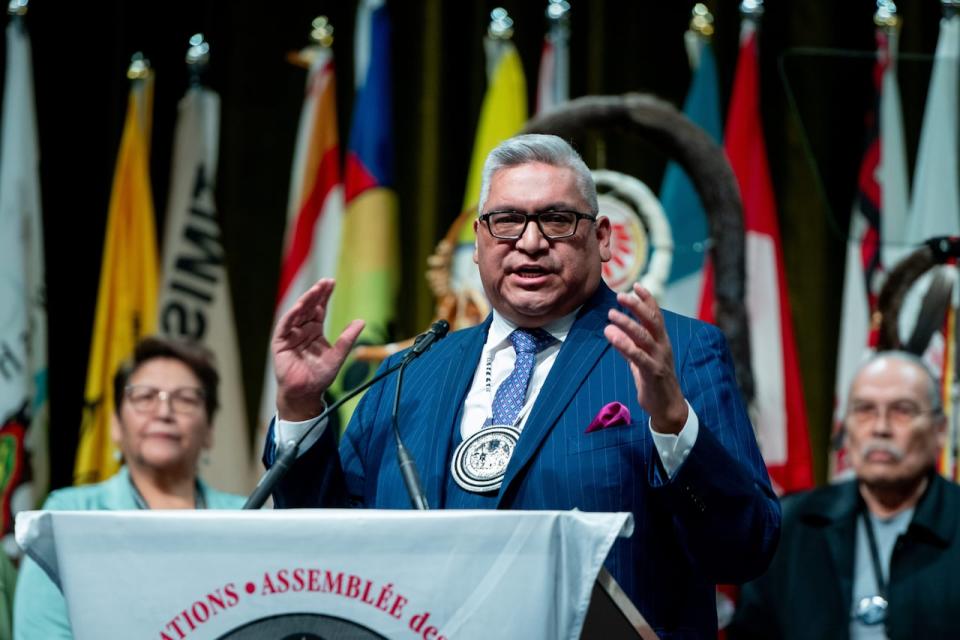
x=200, y=503
x=872, y=610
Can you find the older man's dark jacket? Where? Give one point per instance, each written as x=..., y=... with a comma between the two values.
x=807, y=591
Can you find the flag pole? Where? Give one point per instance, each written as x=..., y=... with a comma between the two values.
x=886, y=17
x=701, y=21
x=139, y=68
x=197, y=59
x=499, y=32
x=888, y=21
x=558, y=32
x=751, y=9
x=950, y=10
x=698, y=33
x=139, y=73
x=17, y=8
x=501, y=24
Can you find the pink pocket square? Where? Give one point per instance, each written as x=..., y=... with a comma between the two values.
x=611, y=415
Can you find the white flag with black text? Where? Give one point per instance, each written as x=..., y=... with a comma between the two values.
x=195, y=301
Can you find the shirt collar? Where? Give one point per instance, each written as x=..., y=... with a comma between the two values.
x=501, y=328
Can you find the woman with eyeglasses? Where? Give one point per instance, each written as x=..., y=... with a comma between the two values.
x=165, y=401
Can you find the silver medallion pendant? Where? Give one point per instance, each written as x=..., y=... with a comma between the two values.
x=871, y=610
x=480, y=461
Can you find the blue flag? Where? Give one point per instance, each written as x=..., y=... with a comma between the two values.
x=680, y=200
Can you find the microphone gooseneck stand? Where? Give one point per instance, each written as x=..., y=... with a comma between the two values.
x=408, y=468
x=290, y=452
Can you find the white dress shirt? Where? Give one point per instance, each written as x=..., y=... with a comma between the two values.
x=496, y=363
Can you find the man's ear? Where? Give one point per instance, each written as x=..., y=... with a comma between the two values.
x=604, y=231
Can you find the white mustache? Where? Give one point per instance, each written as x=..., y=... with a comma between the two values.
x=882, y=446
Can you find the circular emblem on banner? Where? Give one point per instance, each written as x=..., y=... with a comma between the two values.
x=480, y=461
x=302, y=626
x=628, y=244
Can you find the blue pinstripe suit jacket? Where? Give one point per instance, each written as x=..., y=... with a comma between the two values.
x=716, y=520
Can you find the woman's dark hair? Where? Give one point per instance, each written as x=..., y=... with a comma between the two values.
x=195, y=356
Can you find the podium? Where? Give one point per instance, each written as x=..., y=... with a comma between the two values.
x=237, y=575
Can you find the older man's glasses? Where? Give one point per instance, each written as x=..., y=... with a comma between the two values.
x=899, y=414
x=146, y=399
x=510, y=225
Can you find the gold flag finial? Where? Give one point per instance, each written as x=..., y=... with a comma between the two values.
x=197, y=59
x=321, y=37
x=501, y=24
x=558, y=10
x=139, y=67
x=701, y=20
x=321, y=31
x=886, y=15
x=17, y=7
x=751, y=8
x=198, y=54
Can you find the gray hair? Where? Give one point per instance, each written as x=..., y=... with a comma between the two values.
x=537, y=147
x=933, y=381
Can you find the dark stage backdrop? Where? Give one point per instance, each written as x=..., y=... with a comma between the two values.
x=82, y=50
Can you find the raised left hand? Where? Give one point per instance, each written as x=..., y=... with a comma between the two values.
x=642, y=339
x=304, y=361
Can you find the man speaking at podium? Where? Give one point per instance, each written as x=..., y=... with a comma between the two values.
x=568, y=396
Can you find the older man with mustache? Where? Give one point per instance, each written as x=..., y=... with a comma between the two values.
x=877, y=556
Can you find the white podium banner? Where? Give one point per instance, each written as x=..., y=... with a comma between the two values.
x=238, y=575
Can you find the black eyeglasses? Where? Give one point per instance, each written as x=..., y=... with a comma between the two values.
x=510, y=225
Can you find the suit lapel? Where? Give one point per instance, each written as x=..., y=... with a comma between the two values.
x=456, y=371
x=580, y=351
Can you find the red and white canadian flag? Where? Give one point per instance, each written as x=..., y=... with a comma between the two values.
x=778, y=409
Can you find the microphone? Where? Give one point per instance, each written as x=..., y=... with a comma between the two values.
x=290, y=453
x=425, y=340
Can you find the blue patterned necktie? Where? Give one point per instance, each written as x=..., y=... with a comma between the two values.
x=512, y=392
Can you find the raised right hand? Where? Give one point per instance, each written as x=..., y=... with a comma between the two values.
x=304, y=361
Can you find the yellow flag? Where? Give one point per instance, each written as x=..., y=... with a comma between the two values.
x=503, y=114
x=127, y=299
